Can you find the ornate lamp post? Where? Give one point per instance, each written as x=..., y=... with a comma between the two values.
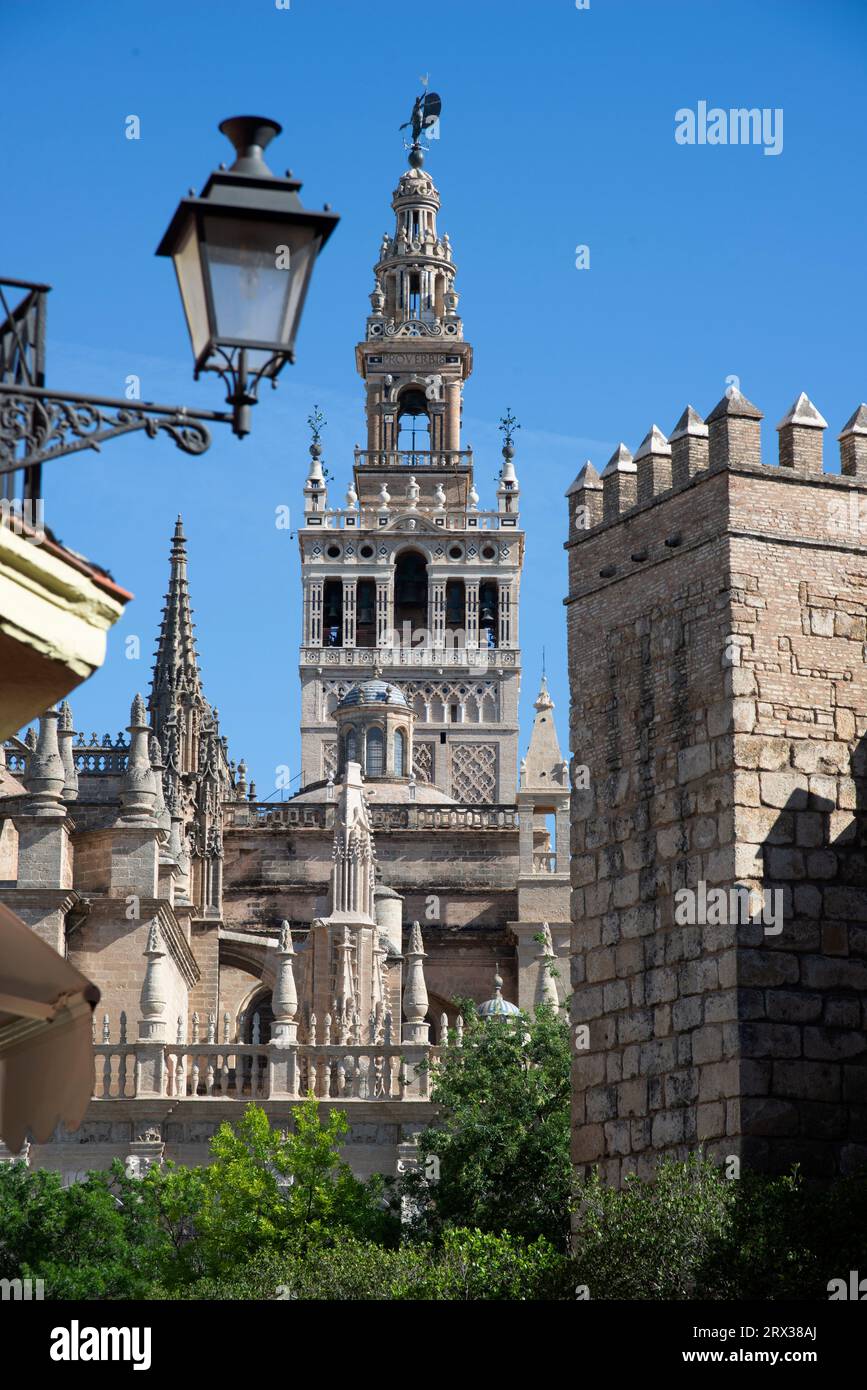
x=243, y=253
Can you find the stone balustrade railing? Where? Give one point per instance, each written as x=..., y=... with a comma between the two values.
x=544, y=862
x=414, y=458
x=469, y=658
x=252, y=1071
x=264, y=814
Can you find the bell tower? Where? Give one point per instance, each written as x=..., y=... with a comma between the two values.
x=414, y=405
x=410, y=579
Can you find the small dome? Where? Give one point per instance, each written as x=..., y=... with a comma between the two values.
x=373, y=692
x=498, y=1007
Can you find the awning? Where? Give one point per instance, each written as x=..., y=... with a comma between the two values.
x=46, y=1050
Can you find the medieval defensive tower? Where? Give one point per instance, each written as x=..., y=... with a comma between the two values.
x=716, y=618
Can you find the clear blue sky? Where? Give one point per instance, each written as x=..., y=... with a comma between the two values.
x=558, y=129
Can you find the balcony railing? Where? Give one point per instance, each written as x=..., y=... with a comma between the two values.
x=414, y=458
x=250, y=1071
x=253, y=815
x=387, y=658
x=544, y=862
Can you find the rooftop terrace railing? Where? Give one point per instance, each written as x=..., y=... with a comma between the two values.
x=414, y=458
x=269, y=815
x=254, y=1071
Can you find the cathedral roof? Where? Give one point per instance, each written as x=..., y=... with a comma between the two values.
x=373, y=692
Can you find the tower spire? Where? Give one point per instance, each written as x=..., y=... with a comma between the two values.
x=176, y=664
x=543, y=766
x=414, y=398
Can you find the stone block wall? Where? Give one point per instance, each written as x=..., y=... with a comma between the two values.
x=719, y=700
x=109, y=950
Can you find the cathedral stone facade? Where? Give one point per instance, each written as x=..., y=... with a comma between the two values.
x=260, y=950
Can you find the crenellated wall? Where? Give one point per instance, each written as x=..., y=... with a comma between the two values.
x=716, y=621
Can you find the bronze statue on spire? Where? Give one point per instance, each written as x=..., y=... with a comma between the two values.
x=425, y=115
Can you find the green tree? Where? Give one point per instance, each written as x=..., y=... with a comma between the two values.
x=264, y=1192
x=654, y=1240
x=76, y=1238
x=500, y=1145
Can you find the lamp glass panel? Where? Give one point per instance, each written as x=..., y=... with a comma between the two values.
x=188, y=268
x=258, y=273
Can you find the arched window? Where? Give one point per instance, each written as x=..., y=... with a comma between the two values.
x=350, y=747
x=410, y=598
x=373, y=766
x=399, y=753
x=255, y=1023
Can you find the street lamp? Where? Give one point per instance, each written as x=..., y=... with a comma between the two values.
x=243, y=253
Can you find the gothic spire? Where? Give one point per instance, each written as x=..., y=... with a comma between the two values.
x=176, y=665
x=543, y=766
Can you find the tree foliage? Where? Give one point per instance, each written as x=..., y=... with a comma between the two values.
x=280, y=1215
x=75, y=1238
x=501, y=1140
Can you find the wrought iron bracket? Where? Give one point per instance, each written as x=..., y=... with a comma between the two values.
x=38, y=424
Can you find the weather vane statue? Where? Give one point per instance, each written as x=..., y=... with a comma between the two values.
x=316, y=420
x=508, y=424
x=423, y=121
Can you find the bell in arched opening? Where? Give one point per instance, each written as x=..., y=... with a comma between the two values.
x=365, y=613
x=332, y=613
x=413, y=422
x=410, y=598
x=488, y=613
